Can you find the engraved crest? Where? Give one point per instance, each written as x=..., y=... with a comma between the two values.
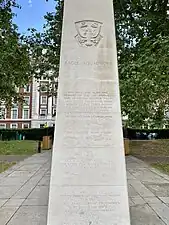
x=89, y=32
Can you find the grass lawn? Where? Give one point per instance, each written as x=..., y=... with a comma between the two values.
x=162, y=167
x=18, y=147
x=153, y=148
x=5, y=165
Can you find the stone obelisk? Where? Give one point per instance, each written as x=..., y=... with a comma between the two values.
x=88, y=177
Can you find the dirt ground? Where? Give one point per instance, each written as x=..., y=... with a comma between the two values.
x=151, y=151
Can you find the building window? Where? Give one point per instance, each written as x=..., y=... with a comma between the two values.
x=43, y=78
x=2, y=113
x=44, y=87
x=43, y=99
x=14, y=125
x=15, y=105
x=2, y=125
x=14, y=114
x=27, y=88
x=26, y=114
x=54, y=111
x=25, y=125
x=26, y=100
x=54, y=100
x=43, y=112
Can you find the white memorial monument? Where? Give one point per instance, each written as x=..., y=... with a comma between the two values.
x=88, y=177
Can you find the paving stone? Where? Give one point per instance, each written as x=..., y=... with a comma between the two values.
x=131, y=203
x=42, y=201
x=132, y=192
x=3, y=201
x=130, y=176
x=6, y=213
x=146, y=175
x=160, y=190
x=134, y=165
x=35, y=180
x=144, y=215
x=141, y=189
x=152, y=200
x=44, y=181
x=30, y=215
x=8, y=191
x=23, y=192
x=164, y=199
x=21, y=174
x=30, y=167
x=10, y=181
x=48, y=173
x=39, y=192
x=138, y=200
x=14, y=202
x=162, y=210
x=145, y=195
x=36, y=161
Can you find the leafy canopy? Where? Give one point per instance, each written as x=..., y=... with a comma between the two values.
x=14, y=57
x=143, y=56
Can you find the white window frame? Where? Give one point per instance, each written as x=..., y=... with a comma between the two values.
x=44, y=96
x=28, y=114
x=45, y=86
x=25, y=124
x=25, y=91
x=43, y=106
x=5, y=111
x=53, y=110
x=17, y=113
x=4, y=125
x=24, y=104
x=41, y=112
x=54, y=100
x=42, y=124
x=13, y=124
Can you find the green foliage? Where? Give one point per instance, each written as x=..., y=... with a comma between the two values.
x=144, y=82
x=162, y=167
x=142, y=42
x=29, y=134
x=14, y=57
x=45, y=48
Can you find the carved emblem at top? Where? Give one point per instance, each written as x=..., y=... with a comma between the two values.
x=89, y=33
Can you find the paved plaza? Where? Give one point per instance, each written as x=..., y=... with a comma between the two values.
x=24, y=190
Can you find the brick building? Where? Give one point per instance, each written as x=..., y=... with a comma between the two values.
x=38, y=108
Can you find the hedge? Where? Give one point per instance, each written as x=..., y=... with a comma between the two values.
x=143, y=134
x=27, y=134
x=38, y=133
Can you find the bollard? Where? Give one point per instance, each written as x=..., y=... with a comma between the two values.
x=39, y=147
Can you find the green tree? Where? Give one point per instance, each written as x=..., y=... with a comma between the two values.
x=142, y=42
x=14, y=57
x=45, y=48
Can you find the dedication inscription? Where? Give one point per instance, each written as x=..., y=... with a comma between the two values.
x=88, y=177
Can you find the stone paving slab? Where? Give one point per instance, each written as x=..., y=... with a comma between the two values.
x=24, y=191
x=12, y=158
